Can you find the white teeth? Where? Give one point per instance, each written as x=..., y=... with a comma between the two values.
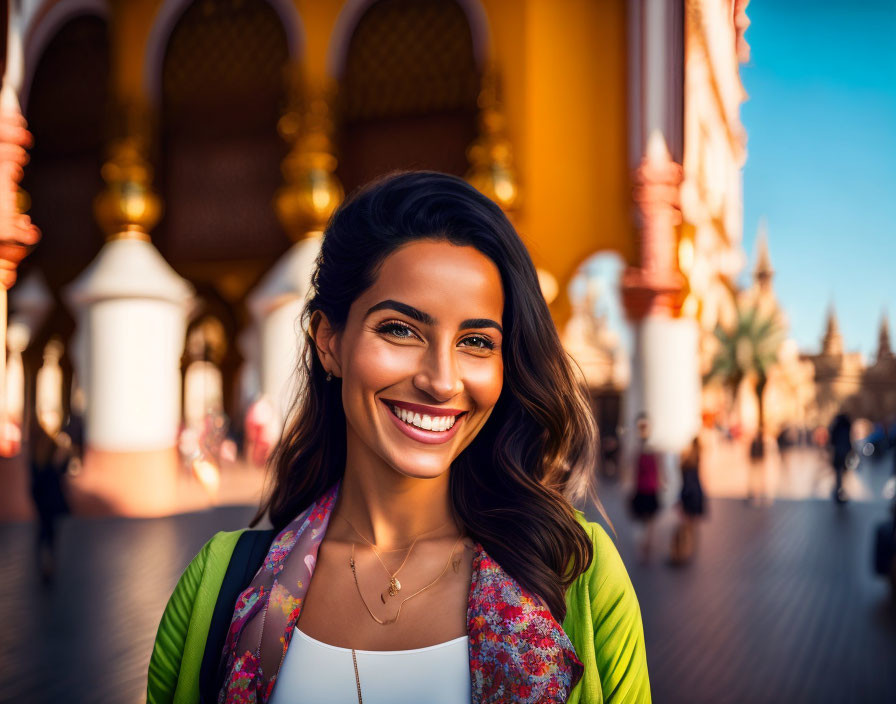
x=425, y=422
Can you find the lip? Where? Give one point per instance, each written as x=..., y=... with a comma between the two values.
x=420, y=408
x=427, y=437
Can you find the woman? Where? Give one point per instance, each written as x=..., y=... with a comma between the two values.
x=644, y=502
x=692, y=504
x=427, y=549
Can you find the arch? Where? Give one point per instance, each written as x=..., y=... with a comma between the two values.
x=596, y=283
x=353, y=10
x=408, y=91
x=219, y=105
x=167, y=18
x=43, y=25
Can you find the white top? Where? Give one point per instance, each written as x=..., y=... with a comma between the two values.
x=317, y=672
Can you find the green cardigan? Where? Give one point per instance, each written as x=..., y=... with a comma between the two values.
x=603, y=621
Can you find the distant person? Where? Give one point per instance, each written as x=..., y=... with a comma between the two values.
x=72, y=433
x=840, y=439
x=692, y=505
x=48, y=461
x=645, y=502
x=609, y=448
x=757, y=488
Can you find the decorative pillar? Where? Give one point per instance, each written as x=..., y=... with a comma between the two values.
x=665, y=380
x=17, y=233
x=131, y=307
x=310, y=194
x=492, y=172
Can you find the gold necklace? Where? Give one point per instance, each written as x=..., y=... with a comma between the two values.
x=394, y=585
x=357, y=678
x=394, y=619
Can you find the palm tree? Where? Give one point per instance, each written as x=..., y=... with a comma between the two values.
x=749, y=347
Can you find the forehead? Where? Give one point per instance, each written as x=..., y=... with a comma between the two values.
x=435, y=275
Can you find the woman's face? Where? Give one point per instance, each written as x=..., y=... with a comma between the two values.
x=420, y=357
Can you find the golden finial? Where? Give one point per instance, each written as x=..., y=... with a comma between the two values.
x=128, y=207
x=311, y=191
x=491, y=154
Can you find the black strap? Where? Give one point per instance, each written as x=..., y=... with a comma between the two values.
x=248, y=554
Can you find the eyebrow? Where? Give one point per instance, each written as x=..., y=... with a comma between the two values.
x=427, y=319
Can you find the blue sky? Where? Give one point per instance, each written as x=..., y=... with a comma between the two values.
x=821, y=164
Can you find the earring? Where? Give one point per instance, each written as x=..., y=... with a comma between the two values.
x=329, y=376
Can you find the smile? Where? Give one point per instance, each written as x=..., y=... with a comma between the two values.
x=432, y=428
x=426, y=422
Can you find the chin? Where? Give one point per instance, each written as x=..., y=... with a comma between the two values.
x=425, y=469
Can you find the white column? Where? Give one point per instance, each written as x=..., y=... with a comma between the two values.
x=667, y=386
x=133, y=307
x=277, y=305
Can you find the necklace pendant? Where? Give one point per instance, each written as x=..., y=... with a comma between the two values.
x=394, y=586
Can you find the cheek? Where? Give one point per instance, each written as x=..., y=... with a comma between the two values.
x=374, y=366
x=484, y=382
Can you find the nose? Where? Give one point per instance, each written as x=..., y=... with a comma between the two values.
x=439, y=375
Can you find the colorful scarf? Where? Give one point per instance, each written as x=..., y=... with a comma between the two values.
x=518, y=651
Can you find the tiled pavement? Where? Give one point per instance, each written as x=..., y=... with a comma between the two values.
x=780, y=606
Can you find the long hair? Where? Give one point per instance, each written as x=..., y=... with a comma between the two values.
x=512, y=486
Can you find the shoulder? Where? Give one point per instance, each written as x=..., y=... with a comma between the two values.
x=220, y=547
x=606, y=573
x=602, y=603
x=212, y=557
x=185, y=621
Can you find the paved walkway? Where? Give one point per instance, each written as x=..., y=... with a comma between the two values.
x=780, y=605
x=796, y=473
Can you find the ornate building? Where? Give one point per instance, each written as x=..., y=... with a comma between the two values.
x=844, y=382
x=710, y=253
x=187, y=154
x=788, y=391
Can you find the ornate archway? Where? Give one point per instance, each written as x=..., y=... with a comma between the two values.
x=408, y=88
x=222, y=92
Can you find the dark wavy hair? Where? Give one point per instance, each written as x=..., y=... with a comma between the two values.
x=512, y=487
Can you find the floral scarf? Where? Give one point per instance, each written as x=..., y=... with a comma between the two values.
x=518, y=651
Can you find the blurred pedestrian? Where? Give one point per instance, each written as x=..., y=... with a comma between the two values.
x=840, y=434
x=757, y=484
x=48, y=461
x=644, y=502
x=692, y=505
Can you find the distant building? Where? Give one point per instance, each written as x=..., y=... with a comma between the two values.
x=844, y=382
x=789, y=392
x=838, y=373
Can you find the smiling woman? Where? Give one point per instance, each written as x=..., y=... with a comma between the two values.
x=440, y=423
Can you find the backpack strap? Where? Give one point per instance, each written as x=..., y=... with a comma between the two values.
x=249, y=553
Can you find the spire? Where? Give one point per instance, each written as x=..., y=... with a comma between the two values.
x=763, y=270
x=884, y=351
x=832, y=342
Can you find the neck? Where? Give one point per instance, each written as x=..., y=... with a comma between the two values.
x=390, y=509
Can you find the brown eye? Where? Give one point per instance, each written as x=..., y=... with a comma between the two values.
x=479, y=342
x=397, y=330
